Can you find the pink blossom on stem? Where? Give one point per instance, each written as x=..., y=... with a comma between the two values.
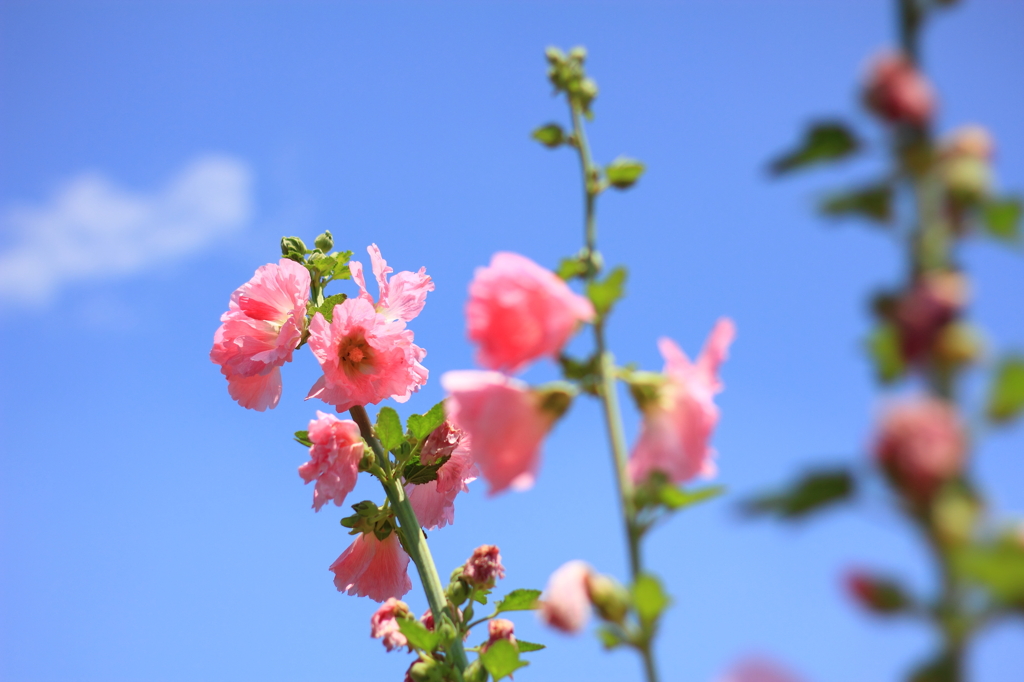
x=334, y=458
x=566, y=601
x=484, y=568
x=932, y=302
x=505, y=423
x=373, y=568
x=263, y=325
x=921, y=443
x=402, y=297
x=434, y=501
x=677, y=427
x=384, y=624
x=499, y=628
x=758, y=670
x=519, y=312
x=897, y=92
x=365, y=357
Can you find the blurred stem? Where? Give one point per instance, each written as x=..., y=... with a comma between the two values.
x=414, y=540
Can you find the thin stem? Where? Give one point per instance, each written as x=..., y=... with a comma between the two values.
x=649, y=667
x=414, y=540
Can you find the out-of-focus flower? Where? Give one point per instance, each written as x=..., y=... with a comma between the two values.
x=484, y=568
x=434, y=501
x=566, y=601
x=401, y=298
x=373, y=568
x=930, y=304
x=519, y=312
x=384, y=624
x=263, y=325
x=970, y=140
x=334, y=458
x=677, y=426
x=758, y=670
x=499, y=628
x=920, y=444
x=506, y=423
x=897, y=92
x=966, y=164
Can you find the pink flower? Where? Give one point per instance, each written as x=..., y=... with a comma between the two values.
x=401, y=298
x=484, y=568
x=932, y=302
x=365, y=357
x=434, y=501
x=334, y=458
x=263, y=325
x=519, y=311
x=566, y=604
x=676, y=428
x=499, y=628
x=373, y=568
x=921, y=444
x=897, y=92
x=505, y=423
x=384, y=624
x=758, y=670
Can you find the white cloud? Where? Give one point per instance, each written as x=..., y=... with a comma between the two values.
x=92, y=228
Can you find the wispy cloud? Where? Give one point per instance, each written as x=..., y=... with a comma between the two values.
x=92, y=228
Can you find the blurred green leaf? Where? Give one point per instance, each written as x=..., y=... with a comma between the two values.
x=603, y=294
x=389, y=429
x=418, y=635
x=998, y=567
x=501, y=659
x=519, y=600
x=873, y=203
x=942, y=668
x=884, y=348
x=1006, y=395
x=1001, y=218
x=550, y=135
x=422, y=425
x=811, y=493
x=622, y=173
x=302, y=437
x=572, y=267
x=823, y=142
x=676, y=498
x=649, y=599
x=610, y=636
x=526, y=647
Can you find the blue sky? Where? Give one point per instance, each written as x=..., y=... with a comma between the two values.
x=153, y=530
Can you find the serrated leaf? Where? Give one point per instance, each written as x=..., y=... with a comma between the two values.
x=622, y=173
x=526, y=647
x=418, y=474
x=603, y=294
x=480, y=596
x=302, y=437
x=649, y=599
x=519, y=600
x=422, y=425
x=341, y=270
x=389, y=429
x=327, y=307
x=418, y=635
x=676, y=498
x=811, y=493
x=501, y=659
x=1001, y=218
x=1006, y=395
x=551, y=135
x=873, y=202
x=884, y=348
x=823, y=142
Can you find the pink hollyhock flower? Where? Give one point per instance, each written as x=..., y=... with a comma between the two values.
x=931, y=303
x=898, y=92
x=401, y=298
x=263, y=325
x=384, y=624
x=334, y=458
x=484, y=568
x=566, y=604
x=519, y=311
x=758, y=670
x=365, y=357
x=373, y=568
x=434, y=501
x=505, y=422
x=499, y=628
x=920, y=444
x=677, y=426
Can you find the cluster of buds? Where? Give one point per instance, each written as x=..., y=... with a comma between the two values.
x=566, y=73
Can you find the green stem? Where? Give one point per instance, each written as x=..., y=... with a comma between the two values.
x=414, y=540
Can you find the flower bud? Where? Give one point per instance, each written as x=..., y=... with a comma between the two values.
x=384, y=624
x=958, y=344
x=931, y=303
x=292, y=244
x=457, y=592
x=475, y=672
x=484, y=568
x=566, y=604
x=499, y=628
x=325, y=242
x=876, y=594
x=610, y=599
x=579, y=53
x=426, y=671
x=955, y=514
x=921, y=444
x=968, y=179
x=897, y=92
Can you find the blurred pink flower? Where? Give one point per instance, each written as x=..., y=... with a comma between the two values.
x=971, y=140
x=758, y=670
x=504, y=421
x=677, y=427
x=384, y=624
x=921, y=443
x=334, y=458
x=434, y=501
x=519, y=312
x=932, y=302
x=483, y=568
x=365, y=357
x=263, y=325
x=401, y=298
x=566, y=601
x=373, y=568
x=897, y=91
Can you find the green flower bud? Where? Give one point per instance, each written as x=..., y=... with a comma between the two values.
x=457, y=592
x=610, y=599
x=968, y=179
x=426, y=671
x=325, y=242
x=475, y=672
x=292, y=244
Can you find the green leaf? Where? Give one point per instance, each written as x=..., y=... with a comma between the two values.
x=389, y=429
x=873, y=202
x=999, y=568
x=418, y=635
x=550, y=135
x=811, y=493
x=649, y=599
x=519, y=600
x=622, y=173
x=675, y=498
x=327, y=307
x=480, y=596
x=823, y=142
x=422, y=425
x=526, y=647
x=1001, y=218
x=884, y=348
x=610, y=637
x=303, y=438
x=418, y=474
x=584, y=372
x=603, y=294
x=1006, y=396
x=942, y=668
x=572, y=267
x=501, y=659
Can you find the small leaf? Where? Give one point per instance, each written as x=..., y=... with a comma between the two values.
x=675, y=498
x=622, y=173
x=873, y=202
x=825, y=141
x=418, y=474
x=999, y=568
x=480, y=596
x=526, y=647
x=303, y=438
x=610, y=637
x=649, y=599
x=422, y=425
x=550, y=135
x=1001, y=218
x=341, y=270
x=1006, y=396
x=389, y=429
x=570, y=268
x=418, y=635
x=519, y=600
x=327, y=307
x=501, y=659
x=813, y=492
x=884, y=347
x=585, y=372
x=603, y=294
